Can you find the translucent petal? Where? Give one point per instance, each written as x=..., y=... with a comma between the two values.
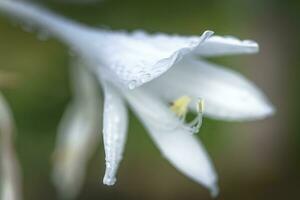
x=227, y=94
x=115, y=122
x=228, y=45
x=78, y=134
x=139, y=57
x=177, y=145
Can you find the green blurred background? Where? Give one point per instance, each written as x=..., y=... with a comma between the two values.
x=254, y=160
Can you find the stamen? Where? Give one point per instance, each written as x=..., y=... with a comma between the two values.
x=200, y=106
x=195, y=125
x=180, y=108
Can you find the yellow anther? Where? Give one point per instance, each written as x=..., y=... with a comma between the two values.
x=200, y=106
x=180, y=106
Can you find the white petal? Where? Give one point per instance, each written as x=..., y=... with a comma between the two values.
x=227, y=94
x=177, y=144
x=10, y=170
x=138, y=58
x=78, y=134
x=131, y=59
x=115, y=122
x=220, y=46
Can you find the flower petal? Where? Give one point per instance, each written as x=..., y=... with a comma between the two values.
x=227, y=94
x=131, y=59
x=115, y=122
x=10, y=169
x=138, y=58
x=78, y=134
x=220, y=46
x=180, y=147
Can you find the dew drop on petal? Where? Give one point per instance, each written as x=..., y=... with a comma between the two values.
x=146, y=77
x=132, y=84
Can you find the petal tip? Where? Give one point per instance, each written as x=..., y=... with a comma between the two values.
x=269, y=110
x=208, y=33
x=214, y=190
x=253, y=46
x=108, y=180
x=164, y=63
x=263, y=109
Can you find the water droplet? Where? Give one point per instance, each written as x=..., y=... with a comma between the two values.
x=108, y=164
x=132, y=84
x=146, y=77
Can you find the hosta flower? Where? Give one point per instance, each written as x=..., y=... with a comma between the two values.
x=148, y=71
x=10, y=178
x=78, y=134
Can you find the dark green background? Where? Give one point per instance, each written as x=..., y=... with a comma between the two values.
x=254, y=160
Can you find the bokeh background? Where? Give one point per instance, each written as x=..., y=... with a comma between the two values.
x=254, y=160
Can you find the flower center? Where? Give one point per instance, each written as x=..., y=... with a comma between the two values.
x=181, y=107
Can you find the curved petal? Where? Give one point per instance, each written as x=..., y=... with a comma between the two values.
x=227, y=94
x=138, y=58
x=228, y=45
x=78, y=134
x=180, y=147
x=10, y=169
x=131, y=59
x=115, y=122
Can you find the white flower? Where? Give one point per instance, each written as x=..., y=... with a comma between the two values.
x=122, y=62
x=10, y=172
x=78, y=134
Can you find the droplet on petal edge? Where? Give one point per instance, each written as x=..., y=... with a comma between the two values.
x=132, y=85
